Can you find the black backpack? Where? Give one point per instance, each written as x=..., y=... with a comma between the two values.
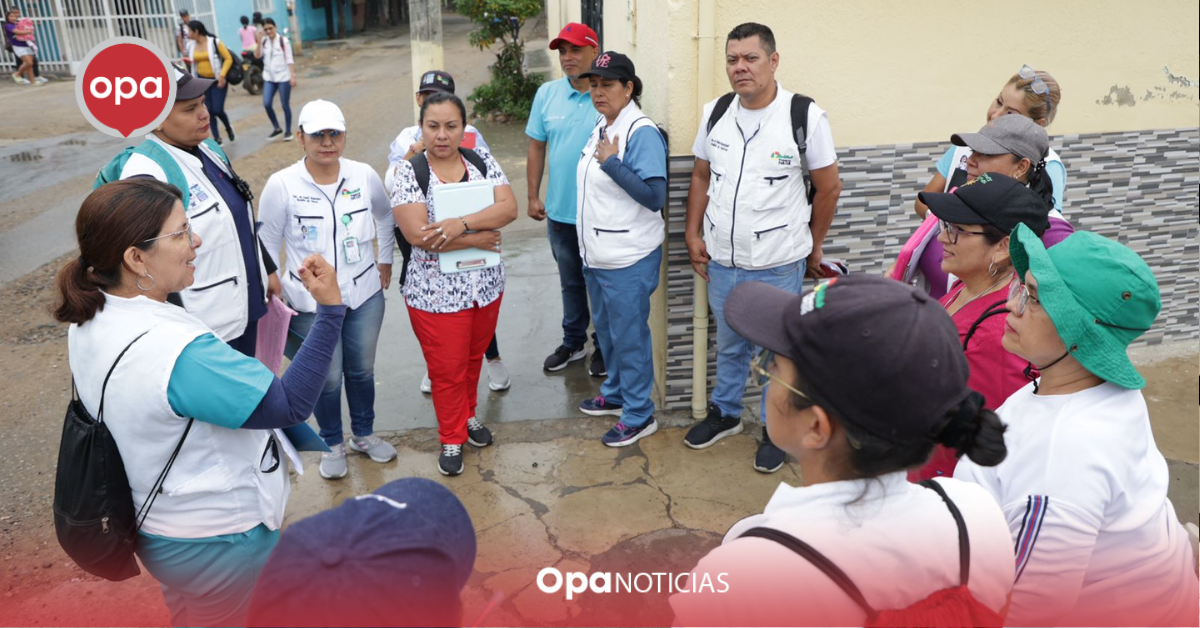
x=420, y=164
x=236, y=73
x=93, y=504
x=954, y=606
x=800, y=105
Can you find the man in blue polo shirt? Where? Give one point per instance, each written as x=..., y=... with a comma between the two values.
x=560, y=122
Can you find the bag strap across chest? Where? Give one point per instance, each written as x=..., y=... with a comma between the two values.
x=420, y=165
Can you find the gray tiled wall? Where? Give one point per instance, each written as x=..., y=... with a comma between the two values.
x=1138, y=186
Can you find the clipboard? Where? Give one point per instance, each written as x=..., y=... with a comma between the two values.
x=452, y=200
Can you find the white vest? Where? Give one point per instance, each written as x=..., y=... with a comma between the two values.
x=758, y=211
x=218, y=295
x=614, y=230
x=215, y=486
x=348, y=213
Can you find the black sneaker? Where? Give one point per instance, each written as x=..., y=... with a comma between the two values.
x=769, y=457
x=562, y=356
x=229, y=132
x=274, y=134
x=477, y=434
x=713, y=428
x=450, y=462
x=218, y=140
x=596, y=367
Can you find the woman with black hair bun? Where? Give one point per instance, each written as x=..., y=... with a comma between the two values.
x=867, y=376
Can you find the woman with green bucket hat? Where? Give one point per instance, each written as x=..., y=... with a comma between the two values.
x=1084, y=487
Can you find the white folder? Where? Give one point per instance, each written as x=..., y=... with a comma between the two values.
x=451, y=200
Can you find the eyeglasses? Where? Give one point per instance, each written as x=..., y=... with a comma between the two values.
x=1018, y=291
x=332, y=134
x=953, y=231
x=761, y=366
x=187, y=230
x=1037, y=84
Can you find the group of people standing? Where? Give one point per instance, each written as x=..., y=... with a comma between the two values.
x=208, y=57
x=1064, y=468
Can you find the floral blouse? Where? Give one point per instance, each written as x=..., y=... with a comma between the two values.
x=426, y=288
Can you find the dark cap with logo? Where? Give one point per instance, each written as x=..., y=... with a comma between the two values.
x=611, y=65
x=991, y=199
x=187, y=86
x=436, y=81
x=876, y=352
x=400, y=554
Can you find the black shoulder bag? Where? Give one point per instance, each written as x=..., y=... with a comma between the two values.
x=93, y=504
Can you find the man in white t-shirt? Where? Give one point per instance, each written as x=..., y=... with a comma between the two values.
x=409, y=142
x=749, y=217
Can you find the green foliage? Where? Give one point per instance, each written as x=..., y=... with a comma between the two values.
x=510, y=91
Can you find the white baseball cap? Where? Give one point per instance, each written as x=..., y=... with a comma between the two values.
x=321, y=115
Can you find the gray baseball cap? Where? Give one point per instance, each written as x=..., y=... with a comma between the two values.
x=1013, y=133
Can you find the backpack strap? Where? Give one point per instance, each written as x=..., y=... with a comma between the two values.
x=420, y=165
x=818, y=560
x=964, y=540
x=994, y=309
x=719, y=110
x=800, y=104
x=104, y=387
x=475, y=159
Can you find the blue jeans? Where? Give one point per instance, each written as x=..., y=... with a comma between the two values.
x=734, y=352
x=354, y=361
x=214, y=101
x=285, y=101
x=564, y=244
x=621, y=311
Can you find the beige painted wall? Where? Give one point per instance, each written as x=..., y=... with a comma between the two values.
x=918, y=70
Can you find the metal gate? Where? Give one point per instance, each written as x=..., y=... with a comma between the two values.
x=66, y=30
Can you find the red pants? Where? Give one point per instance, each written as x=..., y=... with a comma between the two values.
x=453, y=345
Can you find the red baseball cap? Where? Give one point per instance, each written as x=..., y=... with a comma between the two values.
x=576, y=33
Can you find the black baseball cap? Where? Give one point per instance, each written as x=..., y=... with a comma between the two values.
x=991, y=199
x=436, y=81
x=878, y=353
x=187, y=86
x=611, y=65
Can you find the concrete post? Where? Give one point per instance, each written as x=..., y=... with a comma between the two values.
x=294, y=26
x=425, y=26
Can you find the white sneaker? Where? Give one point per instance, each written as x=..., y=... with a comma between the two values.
x=497, y=375
x=41, y=79
x=426, y=385
x=21, y=80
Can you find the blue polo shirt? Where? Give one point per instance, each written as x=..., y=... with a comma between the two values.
x=564, y=119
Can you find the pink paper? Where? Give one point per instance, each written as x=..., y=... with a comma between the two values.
x=272, y=334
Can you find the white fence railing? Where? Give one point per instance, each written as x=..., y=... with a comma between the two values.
x=67, y=30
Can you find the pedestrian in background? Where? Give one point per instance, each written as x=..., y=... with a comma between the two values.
x=249, y=34
x=222, y=499
x=19, y=39
x=622, y=187
x=335, y=207
x=751, y=219
x=181, y=36
x=211, y=59
x=279, y=77
x=453, y=314
x=560, y=121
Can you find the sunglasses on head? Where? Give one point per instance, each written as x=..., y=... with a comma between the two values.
x=1037, y=85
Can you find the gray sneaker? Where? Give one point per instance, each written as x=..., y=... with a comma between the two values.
x=378, y=449
x=497, y=375
x=333, y=463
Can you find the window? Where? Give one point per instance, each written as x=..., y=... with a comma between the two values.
x=264, y=6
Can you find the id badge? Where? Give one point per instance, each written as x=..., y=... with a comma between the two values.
x=310, y=236
x=350, y=250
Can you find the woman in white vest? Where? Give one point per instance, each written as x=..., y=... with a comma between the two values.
x=1029, y=93
x=334, y=207
x=622, y=187
x=1084, y=488
x=179, y=388
x=211, y=59
x=279, y=76
x=234, y=277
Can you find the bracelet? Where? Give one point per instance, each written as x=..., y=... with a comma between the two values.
x=464, y=222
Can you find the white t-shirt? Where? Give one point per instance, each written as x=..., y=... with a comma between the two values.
x=819, y=150
x=1084, y=489
x=897, y=542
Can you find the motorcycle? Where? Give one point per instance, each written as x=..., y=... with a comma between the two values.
x=254, y=72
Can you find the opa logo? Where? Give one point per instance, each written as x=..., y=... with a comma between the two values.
x=125, y=87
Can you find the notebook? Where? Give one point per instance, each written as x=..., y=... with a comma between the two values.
x=452, y=200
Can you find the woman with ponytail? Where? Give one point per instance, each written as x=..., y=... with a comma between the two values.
x=1029, y=94
x=178, y=388
x=867, y=375
x=1084, y=489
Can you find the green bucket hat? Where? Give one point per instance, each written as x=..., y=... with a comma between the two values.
x=1099, y=293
